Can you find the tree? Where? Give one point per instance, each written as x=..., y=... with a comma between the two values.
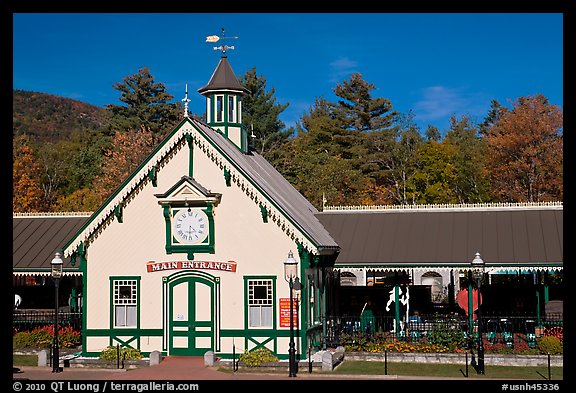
x=323, y=160
x=261, y=114
x=432, y=181
x=358, y=110
x=27, y=194
x=525, y=150
x=146, y=104
x=128, y=151
x=468, y=160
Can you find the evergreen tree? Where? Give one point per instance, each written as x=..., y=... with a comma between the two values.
x=261, y=114
x=358, y=110
x=146, y=104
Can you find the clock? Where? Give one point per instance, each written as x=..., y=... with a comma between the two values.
x=190, y=226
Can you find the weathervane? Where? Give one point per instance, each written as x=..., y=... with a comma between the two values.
x=185, y=100
x=215, y=38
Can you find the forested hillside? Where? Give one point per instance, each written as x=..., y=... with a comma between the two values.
x=49, y=118
x=358, y=150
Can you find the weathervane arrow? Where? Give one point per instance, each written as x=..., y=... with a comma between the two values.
x=215, y=38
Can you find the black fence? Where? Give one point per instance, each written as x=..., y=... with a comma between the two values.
x=506, y=329
x=23, y=320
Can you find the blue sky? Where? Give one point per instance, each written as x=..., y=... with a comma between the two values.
x=435, y=64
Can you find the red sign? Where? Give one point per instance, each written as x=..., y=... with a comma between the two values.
x=153, y=266
x=285, y=313
x=462, y=299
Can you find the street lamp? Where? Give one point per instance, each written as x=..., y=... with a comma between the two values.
x=290, y=275
x=57, y=266
x=478, y=272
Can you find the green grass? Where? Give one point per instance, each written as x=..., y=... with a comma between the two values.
x=447, y=370
x=24, y=360
x=359, y=367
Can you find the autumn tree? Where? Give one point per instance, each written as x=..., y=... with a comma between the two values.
x=128, y=151
x=525, y=150
x=261, y=114
x=27, y=194
x=146, y=103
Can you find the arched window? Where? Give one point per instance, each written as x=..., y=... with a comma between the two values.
x=348, y=279
x=436, y=286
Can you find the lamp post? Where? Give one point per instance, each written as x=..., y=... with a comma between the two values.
x=57, y=265
x=290, y=273
x=478, y=272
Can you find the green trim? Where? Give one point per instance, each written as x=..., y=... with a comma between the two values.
x=264, y=213
x=112, y=279
x=191, y=154
x=128, y=180
x=208, y=246
x=270, y=333
x=227, y=176
x=118, y=211
x=191, y=279
x=152, y=175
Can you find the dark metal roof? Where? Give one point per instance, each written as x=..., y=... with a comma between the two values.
x=531, y=236
x=37, y=238
x=261, y=173
x=223, y=78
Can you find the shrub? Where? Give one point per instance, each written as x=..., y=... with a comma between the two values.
x=555, y=331
x=258, y=356
x=22, y=340
x=551, y=345
x=445, y=335
x=42, y=337
x=111, y=353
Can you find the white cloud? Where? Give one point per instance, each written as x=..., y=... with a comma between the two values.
x=341, y=68
x=441, y=102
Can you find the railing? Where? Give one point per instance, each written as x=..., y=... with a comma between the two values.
x=29, y=319
x=498, y=328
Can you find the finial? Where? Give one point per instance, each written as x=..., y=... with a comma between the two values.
x=185, y=100
x=215, y=38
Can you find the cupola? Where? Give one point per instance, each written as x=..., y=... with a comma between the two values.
x=224, y=104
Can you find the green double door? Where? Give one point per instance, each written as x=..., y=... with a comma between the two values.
x=191, y=316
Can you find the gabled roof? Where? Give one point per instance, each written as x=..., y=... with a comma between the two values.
x=282, y=202
x=37, y=237
x=223, y=78
x=268, y=180
x=520, y=236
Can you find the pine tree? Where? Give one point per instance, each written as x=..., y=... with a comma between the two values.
x=261, y=114
x=358, y=110
x=146, y=104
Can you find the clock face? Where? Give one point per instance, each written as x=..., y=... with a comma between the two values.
x=190, y=226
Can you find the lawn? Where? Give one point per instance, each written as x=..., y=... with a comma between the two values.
x=447, y=370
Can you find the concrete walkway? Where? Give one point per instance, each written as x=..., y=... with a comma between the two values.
x=179, y=368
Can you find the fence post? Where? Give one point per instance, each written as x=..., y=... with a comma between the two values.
x=117, y=355
x=309, y=360
x=385, y=361
x=549, y=372
x=466, y=364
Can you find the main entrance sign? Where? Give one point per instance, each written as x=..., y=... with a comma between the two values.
x=153, y=266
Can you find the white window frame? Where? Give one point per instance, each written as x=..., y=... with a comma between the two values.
x=260, y=310
x=125, y=304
